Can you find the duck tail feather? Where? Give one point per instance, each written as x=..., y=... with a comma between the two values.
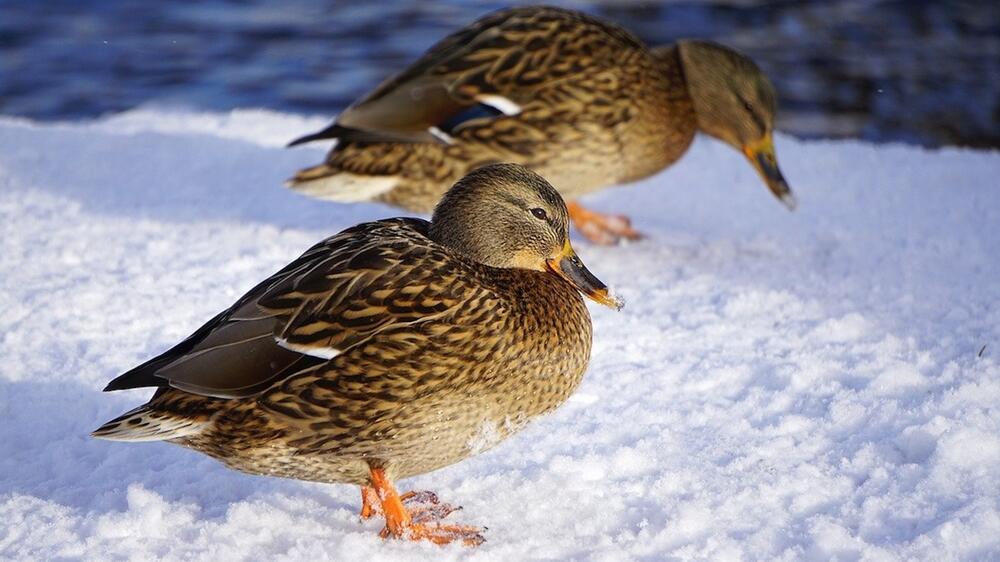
x=331, y=132
x=145, y=424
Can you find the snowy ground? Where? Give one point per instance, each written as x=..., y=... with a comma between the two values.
x=781, y=386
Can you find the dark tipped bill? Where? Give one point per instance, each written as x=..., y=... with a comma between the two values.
x=761, y=155
x=570, y=267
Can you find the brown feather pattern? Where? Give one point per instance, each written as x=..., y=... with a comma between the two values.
x=596, y=108
x=440, y=357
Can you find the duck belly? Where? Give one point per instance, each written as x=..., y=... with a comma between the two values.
x=421, y=436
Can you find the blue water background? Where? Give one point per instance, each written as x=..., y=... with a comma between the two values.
x=922, y=72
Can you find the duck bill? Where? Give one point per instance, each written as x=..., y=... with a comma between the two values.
x=570, y=267
x=761, y=155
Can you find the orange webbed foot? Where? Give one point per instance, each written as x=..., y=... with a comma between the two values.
x=600, y=228
x=414, y=515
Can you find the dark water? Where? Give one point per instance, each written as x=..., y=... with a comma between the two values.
x=916, y=71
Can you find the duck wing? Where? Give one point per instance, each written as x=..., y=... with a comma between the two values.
x=500, y=61
x=335, y=296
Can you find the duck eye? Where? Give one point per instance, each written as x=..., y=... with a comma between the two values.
x=539, y=213
x=747, y=106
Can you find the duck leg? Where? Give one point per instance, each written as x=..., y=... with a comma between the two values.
x=600, y=228
x=419, y=524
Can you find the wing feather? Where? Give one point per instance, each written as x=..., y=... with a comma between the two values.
x=503, y=60
x=335, y=296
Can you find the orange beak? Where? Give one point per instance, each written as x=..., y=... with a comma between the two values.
x=761, y=155
x=569, y=266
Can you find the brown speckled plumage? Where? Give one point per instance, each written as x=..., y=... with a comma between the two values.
x=414, y=397
x=593, y=107
x=439, y=351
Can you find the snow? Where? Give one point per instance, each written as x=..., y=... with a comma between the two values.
x=780, y=386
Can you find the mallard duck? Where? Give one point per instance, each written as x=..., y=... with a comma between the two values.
x=392, y=349
x=577, y=99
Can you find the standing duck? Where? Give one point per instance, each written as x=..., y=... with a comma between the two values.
x=392, y=349
x=578, y=99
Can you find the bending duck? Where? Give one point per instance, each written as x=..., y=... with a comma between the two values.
x=577, y=99
x=389, y=350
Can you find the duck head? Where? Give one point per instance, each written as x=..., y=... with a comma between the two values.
x=506, y=216
x=735, y=102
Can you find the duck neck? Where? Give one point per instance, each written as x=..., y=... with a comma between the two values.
x=672, y=61
x=673, y=120
x=460, y=236
x=669, y=57
x=690, y=68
